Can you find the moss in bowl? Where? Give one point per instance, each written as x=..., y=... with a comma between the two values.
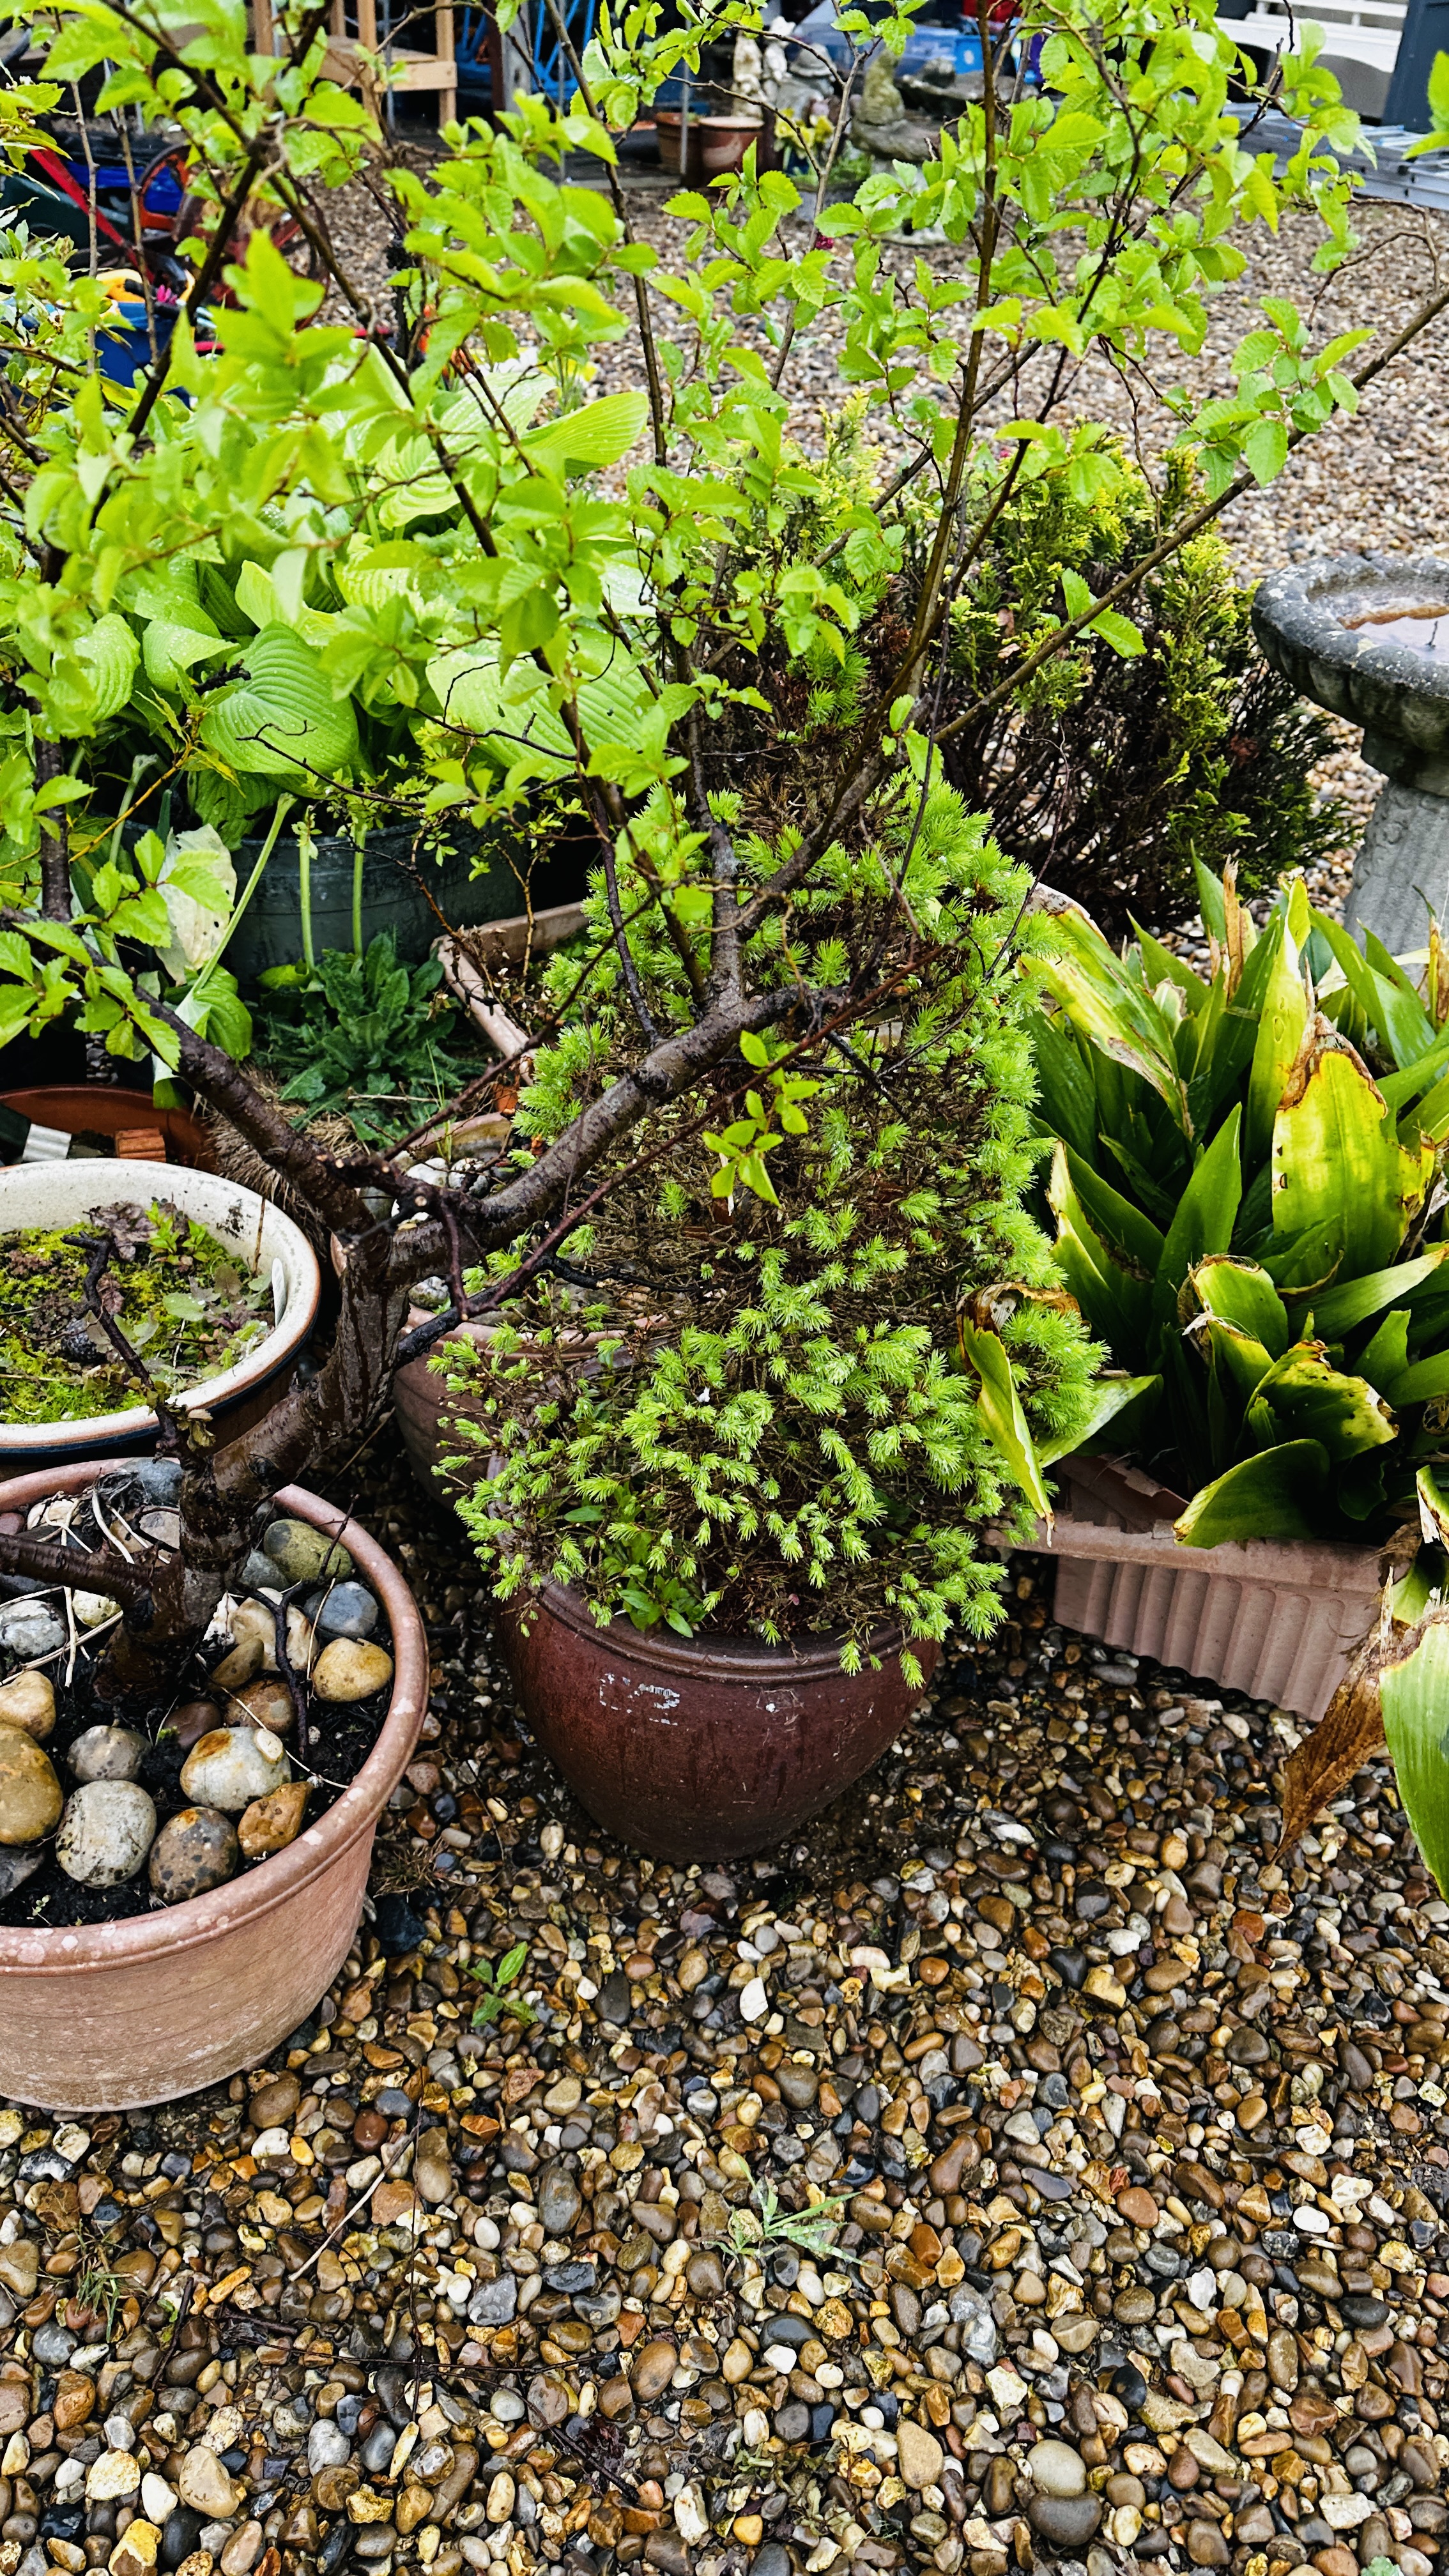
x=177, y=1297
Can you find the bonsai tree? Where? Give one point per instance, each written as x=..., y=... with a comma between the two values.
x=730, y=655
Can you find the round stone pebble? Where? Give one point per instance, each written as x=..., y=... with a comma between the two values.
x=233, y=1765
x=27, y=1700
x=347, y=1610
x=106, y=1831
x=270, y=1823
x=262, y=1702
x=301, y=1554
x=194, y=1851
x=107, y=1753
x=30, y=1794
x=29, y=1627
x=350, y=1669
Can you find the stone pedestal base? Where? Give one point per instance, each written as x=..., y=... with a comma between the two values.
x=1401, y=873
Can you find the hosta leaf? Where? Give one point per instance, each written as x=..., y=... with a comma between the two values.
x=107, y=655
x=283, y=721
x=599, y=433
x=171, y=646
x=371, y=578
x=1279, y=1494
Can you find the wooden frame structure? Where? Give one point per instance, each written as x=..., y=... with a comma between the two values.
x=410, y=67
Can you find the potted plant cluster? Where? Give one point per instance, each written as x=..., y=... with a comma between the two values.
x=1242, y=1182
x=767, y=1183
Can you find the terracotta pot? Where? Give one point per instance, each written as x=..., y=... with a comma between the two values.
x=716, y=143
x=700, y=1748
x=121, y=2014
x=425, y=1403
x=53, y=1194
x=1274, y=1618
x=421, y=1401
x=104, y=1109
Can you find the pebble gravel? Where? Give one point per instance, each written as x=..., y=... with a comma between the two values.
x=1128, y=2147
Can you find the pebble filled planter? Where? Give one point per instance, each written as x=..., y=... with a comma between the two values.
x=205, y=1873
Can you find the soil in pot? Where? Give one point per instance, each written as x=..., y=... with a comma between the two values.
x=110, y=1810
x=181, y=1300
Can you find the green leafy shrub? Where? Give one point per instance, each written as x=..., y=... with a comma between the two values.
x=364, y=1035
x=1114, y=771
x=781, y=1386
x=1243, y=1189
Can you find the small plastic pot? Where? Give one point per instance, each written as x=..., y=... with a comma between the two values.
x=117, y=2015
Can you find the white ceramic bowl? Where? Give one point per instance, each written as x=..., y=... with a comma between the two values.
x=45, y=1195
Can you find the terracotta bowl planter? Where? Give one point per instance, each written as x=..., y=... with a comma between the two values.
x=700, y=1748
x=117, y=2015
x=715, y=143
x=54, y=1194
x=1275, y=1618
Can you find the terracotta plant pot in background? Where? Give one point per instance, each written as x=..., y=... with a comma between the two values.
x=1275, y=1618
x=44, y=1195
x=422, y=1400
x=716, y=143
x=700, y=1748
x=141, y=1130
x=117, y=2015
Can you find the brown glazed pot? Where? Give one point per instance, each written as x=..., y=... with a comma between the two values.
x=121, y=2014
x=700, y=1748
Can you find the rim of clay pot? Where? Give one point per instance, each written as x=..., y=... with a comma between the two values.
x=199, y=1918
x=738, y=1658
x=210, y=1199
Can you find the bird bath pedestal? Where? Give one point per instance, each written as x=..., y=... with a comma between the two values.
x=1367, y=637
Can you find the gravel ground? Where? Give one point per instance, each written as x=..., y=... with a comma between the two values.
x=1132, y=2142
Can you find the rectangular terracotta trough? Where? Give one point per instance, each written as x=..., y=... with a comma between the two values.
x=1276, y=1619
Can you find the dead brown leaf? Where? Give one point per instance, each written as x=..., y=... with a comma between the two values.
x=1349, y=1731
